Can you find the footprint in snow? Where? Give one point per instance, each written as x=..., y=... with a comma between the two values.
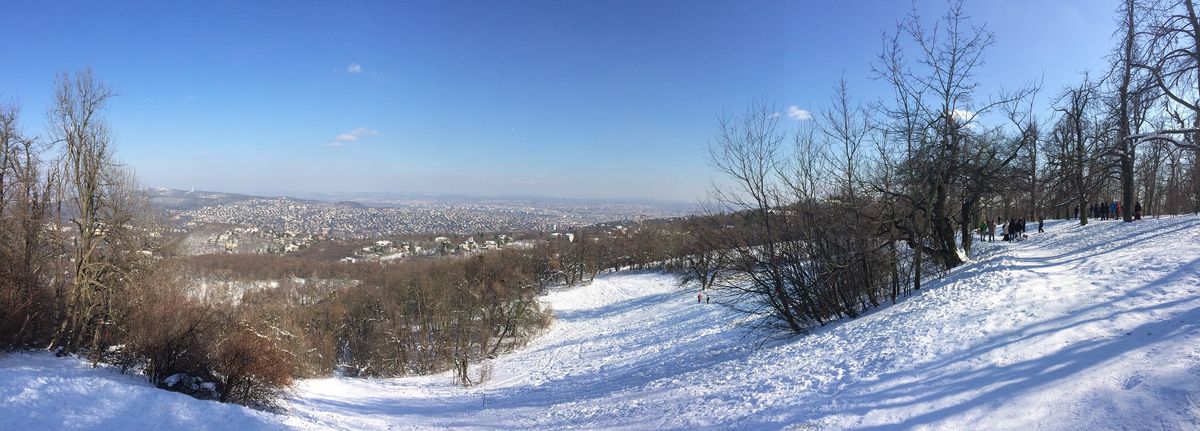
x=1133, y=381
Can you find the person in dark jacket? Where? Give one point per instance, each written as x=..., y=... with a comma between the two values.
x=1137, y=211
x=1041, y=220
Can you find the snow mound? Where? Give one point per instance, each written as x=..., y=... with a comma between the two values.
x=1091, y=327
x=41, y=392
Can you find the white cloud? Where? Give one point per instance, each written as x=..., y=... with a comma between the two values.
x=363, y=131
x=799, y=114
x=352, y=136
x=354, y=68
x=966, y=117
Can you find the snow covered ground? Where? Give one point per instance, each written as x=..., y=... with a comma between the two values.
x=1079, y=328
x=40, y=392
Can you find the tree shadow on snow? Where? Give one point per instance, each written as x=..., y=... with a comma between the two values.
x=981, y=386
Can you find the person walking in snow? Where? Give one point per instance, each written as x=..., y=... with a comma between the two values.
x=699, y=297
x=1114, y=208
x=707, y=299
x=991, y=230
x=1137, y=211
x=1041, y=220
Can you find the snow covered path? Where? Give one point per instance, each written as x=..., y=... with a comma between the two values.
x=1080, y=328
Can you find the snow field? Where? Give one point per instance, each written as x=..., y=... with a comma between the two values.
x=1090, y=327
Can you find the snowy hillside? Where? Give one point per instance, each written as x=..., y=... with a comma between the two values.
x=1080, y=328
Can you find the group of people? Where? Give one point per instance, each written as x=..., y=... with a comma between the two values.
x=1012, y=230
x=1110, y=210
x=1105, y=211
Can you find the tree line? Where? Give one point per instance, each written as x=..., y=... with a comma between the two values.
x=863, y=203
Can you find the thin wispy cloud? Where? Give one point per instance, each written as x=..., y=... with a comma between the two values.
x=352, y=136
x=363, y=131
x=799, y=114
x=354, y=68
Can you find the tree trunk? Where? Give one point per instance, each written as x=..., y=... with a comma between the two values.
x=943, y=230
x=1125, y=144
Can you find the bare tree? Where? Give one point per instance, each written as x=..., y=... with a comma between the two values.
x=1125, y=147
x=948, y=166
x=77, y=125
x=1172, y=62
x=1076, y=132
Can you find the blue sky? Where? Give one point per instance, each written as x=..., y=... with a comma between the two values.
x=558, y=98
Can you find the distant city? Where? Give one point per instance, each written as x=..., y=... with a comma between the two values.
x=214, y=222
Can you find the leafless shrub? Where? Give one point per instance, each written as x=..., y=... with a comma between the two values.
x=250, y=369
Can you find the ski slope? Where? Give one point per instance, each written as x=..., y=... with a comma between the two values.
x=1089, y=327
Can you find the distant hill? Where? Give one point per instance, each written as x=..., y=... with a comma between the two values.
x=181, y=200
x=367, y=215
x=184, y=200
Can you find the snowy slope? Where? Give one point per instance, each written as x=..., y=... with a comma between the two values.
x=40, y=392
x=1080, y=328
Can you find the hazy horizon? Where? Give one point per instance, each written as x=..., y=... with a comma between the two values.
x=338, y=195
